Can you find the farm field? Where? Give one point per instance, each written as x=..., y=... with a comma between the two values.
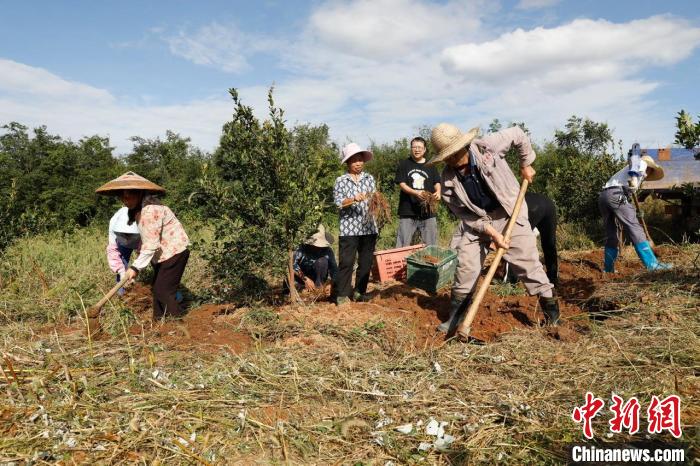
x=355, y=384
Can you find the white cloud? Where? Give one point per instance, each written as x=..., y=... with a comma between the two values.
x=225, y=47
x=372, y=72
x=390, y=29
x=533, y=4
x=22, y=79
x=390, y=85
x=34, y=96
x=600, y=49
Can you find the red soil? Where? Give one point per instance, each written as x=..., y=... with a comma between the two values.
x=403, y=310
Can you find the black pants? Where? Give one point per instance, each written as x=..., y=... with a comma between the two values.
x=349, y=247
x=317, y=273
x=166, y=278
x=542, y=214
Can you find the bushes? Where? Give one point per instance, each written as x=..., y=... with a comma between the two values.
x=573, y=169
x=266, y=192
x=172, y=163
x=49, y=183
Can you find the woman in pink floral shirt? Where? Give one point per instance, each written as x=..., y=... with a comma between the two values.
x=163, y=240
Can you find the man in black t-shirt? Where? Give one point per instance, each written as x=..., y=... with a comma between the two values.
x=414, y=178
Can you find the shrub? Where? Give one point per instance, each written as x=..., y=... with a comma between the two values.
x=573, y=169
x=266, y=192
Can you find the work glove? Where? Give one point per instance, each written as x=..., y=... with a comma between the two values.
x=633, y=183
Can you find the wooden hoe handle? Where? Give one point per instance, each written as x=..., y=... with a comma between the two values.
x=640, y=214
x=95, y=310
x=465, y=327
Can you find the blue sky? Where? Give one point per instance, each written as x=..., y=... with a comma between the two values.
x=371, y=70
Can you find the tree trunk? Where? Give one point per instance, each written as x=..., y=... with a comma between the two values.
x=293, y=295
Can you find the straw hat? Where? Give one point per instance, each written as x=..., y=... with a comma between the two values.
x=654, y=170
x=320, y=239
x=448, y=139
x=352, y=149
x=128, y=180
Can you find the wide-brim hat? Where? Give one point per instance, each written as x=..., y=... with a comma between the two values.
x=352, y=149
x=654, y=170
x=320, y=239
x=129, y=180
x=448, y=139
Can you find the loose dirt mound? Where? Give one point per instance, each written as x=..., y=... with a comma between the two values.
x=208, y=327
x=395, y=306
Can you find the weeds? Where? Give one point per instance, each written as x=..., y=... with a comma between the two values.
x=507, y=289
x=132, y=399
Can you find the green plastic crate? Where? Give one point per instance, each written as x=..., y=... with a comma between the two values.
x=430, y=276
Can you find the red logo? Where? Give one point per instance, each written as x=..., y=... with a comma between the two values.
x=661, y=415
x=587, y=412
x=626, y=415
x=665, y=415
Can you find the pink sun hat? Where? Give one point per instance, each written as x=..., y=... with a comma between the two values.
x=352, y=149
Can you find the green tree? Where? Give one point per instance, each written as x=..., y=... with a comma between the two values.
x=688, y=134
x=172, y=163
x=266, y=192
x=573, y=169
x=585, y=136
x=49, y=182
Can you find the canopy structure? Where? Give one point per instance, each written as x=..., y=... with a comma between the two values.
x=680, y=167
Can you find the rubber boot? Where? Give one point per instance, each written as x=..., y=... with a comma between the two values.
x=646, y=254
x=458, y=306
x=360, y=297
x=609, y=259
x=550, y=309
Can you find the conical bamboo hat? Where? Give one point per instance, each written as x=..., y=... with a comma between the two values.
x=128, y=180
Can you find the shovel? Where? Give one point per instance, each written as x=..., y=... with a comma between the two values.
x=465, y=327
x=93, y=313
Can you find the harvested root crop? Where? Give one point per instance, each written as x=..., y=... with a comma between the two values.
x=379, y=209
x=430, y=259
x=428, y=203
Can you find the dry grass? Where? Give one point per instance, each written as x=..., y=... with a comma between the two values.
x=129, y=399
x=55, y=276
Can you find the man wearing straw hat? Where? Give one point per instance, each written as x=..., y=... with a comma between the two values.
x=481, y=190
x=614, y=203
x=314, y=261
x=163, y=240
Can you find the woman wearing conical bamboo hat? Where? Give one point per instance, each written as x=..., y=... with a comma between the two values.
x=164, y=243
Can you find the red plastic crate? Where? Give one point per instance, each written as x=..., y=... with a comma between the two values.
x=390, y=264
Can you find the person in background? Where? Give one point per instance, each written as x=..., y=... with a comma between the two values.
x=542, y=215
x=415, y=178
x=314, y=261
x=122, y=240
x=614, y=204
x=164, y=243
x=358, y=229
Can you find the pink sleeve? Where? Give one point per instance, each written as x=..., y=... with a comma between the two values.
x=500, y=142
x=114, y=258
